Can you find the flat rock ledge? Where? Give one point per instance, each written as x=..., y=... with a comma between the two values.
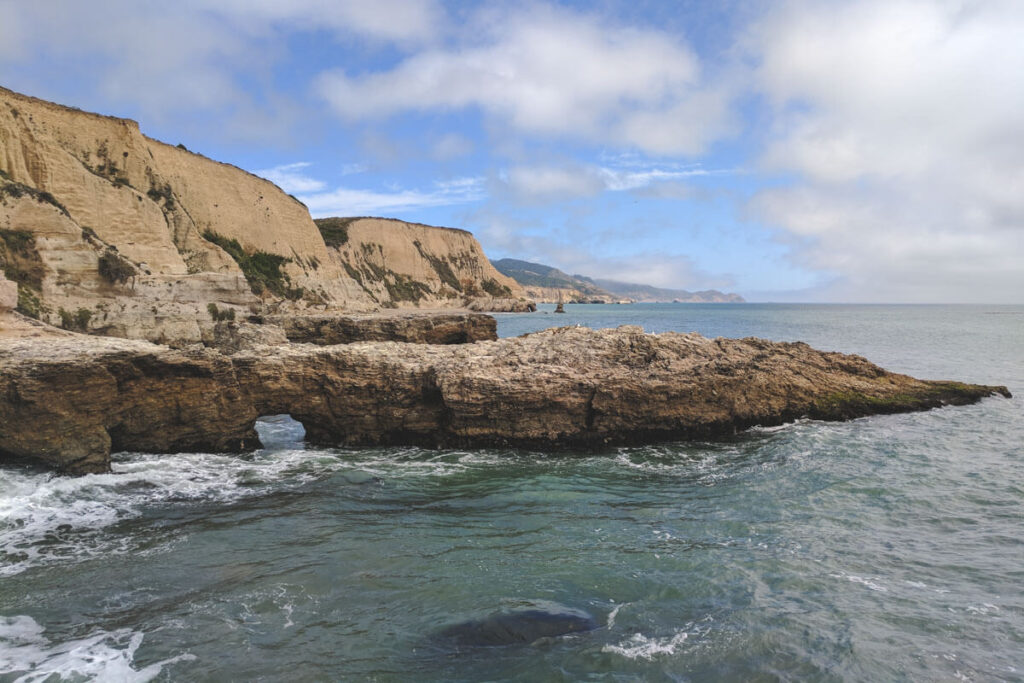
x=67, y=402
x=415, y=327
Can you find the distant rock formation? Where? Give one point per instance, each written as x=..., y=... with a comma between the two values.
x=68, y=402
x=547, y=285
x=107, y=231
x=648, y=294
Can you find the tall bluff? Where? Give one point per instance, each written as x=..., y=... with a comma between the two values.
x=133, y=237
x=402, y=264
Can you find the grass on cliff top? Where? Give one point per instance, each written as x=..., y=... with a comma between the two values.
x=334, y=230
x=261, y=269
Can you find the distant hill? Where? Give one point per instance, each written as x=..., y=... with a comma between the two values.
x=648, y=294
x=549, y=284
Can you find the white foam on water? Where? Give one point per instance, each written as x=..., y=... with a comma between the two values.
x=48, y=518
x=615, y=612
x=639, y=646
x=105, y=655
x=866, y=581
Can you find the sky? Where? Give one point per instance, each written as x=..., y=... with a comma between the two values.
x=813, y=150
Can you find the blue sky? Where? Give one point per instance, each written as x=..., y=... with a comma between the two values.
x=812, y=150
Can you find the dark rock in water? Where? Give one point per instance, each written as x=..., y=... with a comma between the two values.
x=515, y=627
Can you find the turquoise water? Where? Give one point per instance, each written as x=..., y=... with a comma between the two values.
x=886, y=548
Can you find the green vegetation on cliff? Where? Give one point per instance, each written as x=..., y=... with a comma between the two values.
x=20, y=262
x=261, y=269
x=334, y=230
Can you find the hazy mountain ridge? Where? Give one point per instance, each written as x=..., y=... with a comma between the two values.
x=547, y=283
x=650, y=294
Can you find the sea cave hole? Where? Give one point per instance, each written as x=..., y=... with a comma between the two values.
x=280, y=432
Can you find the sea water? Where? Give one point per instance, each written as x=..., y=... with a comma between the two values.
x=886, y=548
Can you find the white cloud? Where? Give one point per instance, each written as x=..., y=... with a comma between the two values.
x=193, y=56
x=391, y=20
x=901, y=120
x=451, y=146
x=359, y=202
x=552, y=72
x=290, y=178
x=550, y=183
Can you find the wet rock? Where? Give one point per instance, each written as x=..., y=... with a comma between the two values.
x=515, y=627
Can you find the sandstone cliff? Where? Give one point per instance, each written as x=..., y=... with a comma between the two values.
x=136, y=238
x=68, y=402
x=403, y=264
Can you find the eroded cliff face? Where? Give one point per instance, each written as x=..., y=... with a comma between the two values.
x=408, y=264
x=183, y=231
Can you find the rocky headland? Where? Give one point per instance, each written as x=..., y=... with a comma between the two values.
x=155, y=300
x=68, y=402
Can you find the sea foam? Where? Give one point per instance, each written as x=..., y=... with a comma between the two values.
x=27, y=653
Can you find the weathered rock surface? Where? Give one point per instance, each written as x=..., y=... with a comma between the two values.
x=496, y=305
x=8, y=294
x=229, y=337
x=414, y=327
x=77, y=188
x=413, y=265
x=67, y=403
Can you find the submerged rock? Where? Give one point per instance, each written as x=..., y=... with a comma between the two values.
x=515, y=627
x=67, y=401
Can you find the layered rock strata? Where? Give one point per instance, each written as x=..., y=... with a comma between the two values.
x=68, y=404
x=417, y=328
x=135, y=238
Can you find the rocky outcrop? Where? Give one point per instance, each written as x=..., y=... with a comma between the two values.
x=492, y=305
x=413, y=327
x=67, y=403
x=230, y=337
x=134, y=238
x=401, y=264
x=8, y=294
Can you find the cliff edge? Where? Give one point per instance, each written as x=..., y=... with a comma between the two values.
x=108, y=231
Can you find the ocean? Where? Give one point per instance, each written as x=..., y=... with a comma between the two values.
x=885, y=548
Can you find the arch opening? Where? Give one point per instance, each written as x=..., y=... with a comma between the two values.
x=281, y=432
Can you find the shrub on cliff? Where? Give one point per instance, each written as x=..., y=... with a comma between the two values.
x=495, y=288
x=79, y=320
x=114, y=268
x=220, y=314
x=261, y=269
x=20, y=262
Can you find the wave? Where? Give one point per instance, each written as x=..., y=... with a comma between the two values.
x=103, y=655
x=639, y=646
x=43, y=516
